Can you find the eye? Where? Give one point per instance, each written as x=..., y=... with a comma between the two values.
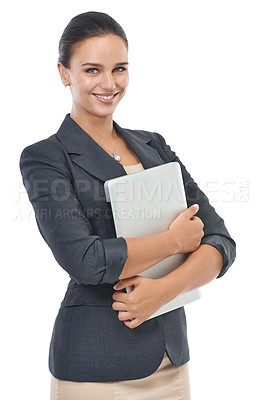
x=121, y=69
x=91, y=70
x=95, y=70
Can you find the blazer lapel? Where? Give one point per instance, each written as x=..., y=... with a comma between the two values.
x=89, y=155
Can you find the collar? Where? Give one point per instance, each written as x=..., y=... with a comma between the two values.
x=89, y=155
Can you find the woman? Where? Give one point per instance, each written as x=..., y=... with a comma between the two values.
x=103, y=345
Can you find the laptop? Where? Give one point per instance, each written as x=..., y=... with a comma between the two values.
x=146, y=203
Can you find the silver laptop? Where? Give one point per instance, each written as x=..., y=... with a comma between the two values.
x=145, y=203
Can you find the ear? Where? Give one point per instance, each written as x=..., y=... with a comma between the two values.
x=63, y=74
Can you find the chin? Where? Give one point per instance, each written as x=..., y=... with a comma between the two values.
x=103, y=113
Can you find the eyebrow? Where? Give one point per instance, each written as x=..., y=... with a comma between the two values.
x=100, y=65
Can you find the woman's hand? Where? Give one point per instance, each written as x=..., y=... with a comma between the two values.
x=186, y=231
x=148, y=296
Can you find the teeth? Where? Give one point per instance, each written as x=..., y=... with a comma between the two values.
x=104, y=97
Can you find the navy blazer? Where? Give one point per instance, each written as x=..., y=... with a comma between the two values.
x=64, y=177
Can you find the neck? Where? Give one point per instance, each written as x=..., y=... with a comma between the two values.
x=99, y=128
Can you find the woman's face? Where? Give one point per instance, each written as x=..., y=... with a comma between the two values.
x=98, y=67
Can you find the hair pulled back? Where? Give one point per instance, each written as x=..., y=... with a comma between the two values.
x=83, y=26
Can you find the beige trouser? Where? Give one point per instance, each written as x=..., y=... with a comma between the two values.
x=168, y=382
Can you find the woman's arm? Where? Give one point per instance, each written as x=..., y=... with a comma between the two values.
x=62, y=221
x=215, y=232
x=200, y=268
x=149, y=295
x=184, y=236
x=88, y=258
x=144, y=252
x=211, y=260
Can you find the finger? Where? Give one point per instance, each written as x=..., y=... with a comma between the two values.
x=124, y=283
x=198, y=221
x=120, y=296
x=124, y=316
x=132, y=324
x=118, y=306
x=192, y=210
x=194, y=218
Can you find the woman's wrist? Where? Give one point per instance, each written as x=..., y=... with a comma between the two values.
x=167, y=289
x=173, y=246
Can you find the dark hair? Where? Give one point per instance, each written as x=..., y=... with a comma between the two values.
x=83, y=26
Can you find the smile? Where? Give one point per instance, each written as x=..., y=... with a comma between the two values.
x=105, y=97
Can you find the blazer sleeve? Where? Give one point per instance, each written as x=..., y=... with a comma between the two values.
x=215, y=232
x=86, y=257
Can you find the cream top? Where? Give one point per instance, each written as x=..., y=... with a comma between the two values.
x=130, y=169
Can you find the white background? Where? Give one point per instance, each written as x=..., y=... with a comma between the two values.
x=196, y=77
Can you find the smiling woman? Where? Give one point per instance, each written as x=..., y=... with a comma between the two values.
x=105, y=83
x=103, y=345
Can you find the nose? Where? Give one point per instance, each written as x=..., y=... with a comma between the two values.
x=107, y=82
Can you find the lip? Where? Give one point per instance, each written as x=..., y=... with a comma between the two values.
x=106, y=94
x=106, y=101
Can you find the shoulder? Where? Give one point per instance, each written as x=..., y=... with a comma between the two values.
x=45, y=152
x=155, y=140
x=146, y=135
x=46, y=146
x=141, y=132
x=45, y=149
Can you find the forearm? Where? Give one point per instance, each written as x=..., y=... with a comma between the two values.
x=201, y=267
x=144, y=252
